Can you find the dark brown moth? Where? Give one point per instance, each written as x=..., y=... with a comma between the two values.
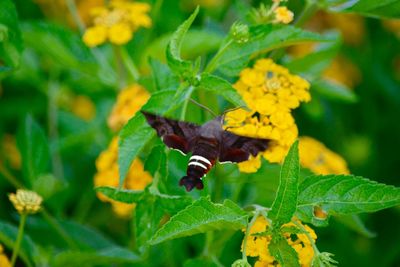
x=207, y=143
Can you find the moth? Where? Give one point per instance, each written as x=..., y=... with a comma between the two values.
x=207, y=143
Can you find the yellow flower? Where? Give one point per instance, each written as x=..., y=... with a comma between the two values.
x=95, y=35
x=271, y=92
x=315, y=156
x=257, y=246
x=83, y=107
x=11, y=152
x=117, y=22
x=25, y=201
x=129, y=101
x=284, y=15
x=392, y=25
x=4, y=261
x=108, y=175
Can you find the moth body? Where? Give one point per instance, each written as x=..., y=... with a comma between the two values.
x=207, y=143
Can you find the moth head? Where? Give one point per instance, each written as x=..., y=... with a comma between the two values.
x=191, y=182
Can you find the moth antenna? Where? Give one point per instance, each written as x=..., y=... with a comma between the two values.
x=202, y=106
x=229, y=110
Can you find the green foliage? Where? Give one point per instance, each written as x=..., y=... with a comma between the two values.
x=10, y=37
x=200, y=217
x=263, y=38
x=285, y=202
x=107, y=256
x=8, y=235
x=334, y=91
x=34, y=150
x=178, y=65
x=385, y=8
x=121, y=195
x=221, y=87
x=283, y=252
x=343, y=194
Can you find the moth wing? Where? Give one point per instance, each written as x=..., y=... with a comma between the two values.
x=175, y=134
x=236, y=148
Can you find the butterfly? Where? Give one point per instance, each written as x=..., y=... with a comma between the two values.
x=207, y=143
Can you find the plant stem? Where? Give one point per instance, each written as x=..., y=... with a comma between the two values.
x=19, y=238
x=10, y=178
x=75, y=15
x=119, y=65
x=211, y=65
x=55, y=224
x=253, y=220
x=300, y=226
x=129, y=65
x=185, y=104
x=52, y=111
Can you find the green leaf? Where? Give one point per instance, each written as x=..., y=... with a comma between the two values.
x=148, y=215
x=285, y=202
x=197, y=42
x=371, y=8
x=334, y=91
x=107, y=256
x=34, y=150
x=199, y=263
x=10, y=36
x=137, y=133
x=28, y=251
x=263, y=38
x=221, y=87
x=313, y=64
x=46, y=185
x=163, y=78
x=121, y=195
x=200, y=217
x=355, y=223
x=280, y=249
x=342, y=195
x=175, y=62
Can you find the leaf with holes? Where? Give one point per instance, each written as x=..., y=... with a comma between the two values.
x=343, y=194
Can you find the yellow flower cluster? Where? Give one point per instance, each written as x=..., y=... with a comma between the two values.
x=83, y=107
x=271, y=92
x=257, y=246
x=117, y=22
x=129, y=101
x=4, y=261
x=319, y=159
x=283, y=15
x=10, y=151
x=25, y=201
x=108, y=175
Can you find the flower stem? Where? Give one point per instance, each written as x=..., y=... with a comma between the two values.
x=301, y=227
x=57, y=227
x=19, y=239
x=185, y=104
x=75, y=15
x=211, y=65
x=119, y=65
x=246, y=235
x=9, y=177
x=129, y=65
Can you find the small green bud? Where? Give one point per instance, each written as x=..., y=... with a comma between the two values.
x=241, y=263
x=240, y=32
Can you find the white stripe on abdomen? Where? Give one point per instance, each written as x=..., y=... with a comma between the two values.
x=197, y=157
x=197, y=164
